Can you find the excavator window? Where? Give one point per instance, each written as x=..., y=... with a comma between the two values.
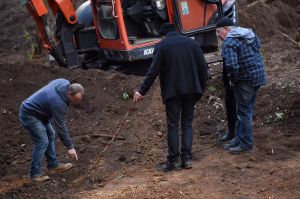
x=108, y=24
x=143, y=19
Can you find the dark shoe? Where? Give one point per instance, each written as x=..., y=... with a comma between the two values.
x=226, y=137
x=40, y=178
x=186, y=164
x=239, y=150
x=169, y=166
x=230, y=145
x=61, y=167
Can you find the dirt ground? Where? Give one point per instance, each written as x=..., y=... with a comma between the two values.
x=129, y=168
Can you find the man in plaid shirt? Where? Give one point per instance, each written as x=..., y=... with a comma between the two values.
x=246, y=74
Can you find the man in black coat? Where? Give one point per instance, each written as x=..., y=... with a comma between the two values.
x=230, y=104
x=230, y=101
x=181, y=66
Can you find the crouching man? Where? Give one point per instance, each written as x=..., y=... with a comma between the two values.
x=36, y=115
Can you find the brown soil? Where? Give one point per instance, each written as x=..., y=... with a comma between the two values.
x=129, y=168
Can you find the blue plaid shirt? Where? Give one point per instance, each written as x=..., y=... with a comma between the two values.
x=243, y=60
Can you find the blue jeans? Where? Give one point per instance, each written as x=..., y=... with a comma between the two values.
x=180, y=107
x=245, y=98
x=43, y=136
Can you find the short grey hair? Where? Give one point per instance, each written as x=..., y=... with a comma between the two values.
x=76, y=88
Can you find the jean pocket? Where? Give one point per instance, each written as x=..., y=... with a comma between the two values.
x=246, y=87
x=27, y=120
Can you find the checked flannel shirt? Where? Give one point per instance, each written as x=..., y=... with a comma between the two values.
x=243, y=61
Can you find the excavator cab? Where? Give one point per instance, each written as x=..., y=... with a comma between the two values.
x=124, y=30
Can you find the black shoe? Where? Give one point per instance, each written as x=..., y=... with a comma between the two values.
x=169, y=166
x=186, y=164
x=239, y=150
x=226, y=137
x=230, y=145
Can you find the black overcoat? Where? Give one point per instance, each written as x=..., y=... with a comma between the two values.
x=181, y=66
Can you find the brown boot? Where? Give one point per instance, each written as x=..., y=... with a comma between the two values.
x=61, y=167
x=40, y=178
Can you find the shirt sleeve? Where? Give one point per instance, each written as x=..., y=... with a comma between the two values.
x=58, y=114
x=258, y=42
x=202, y=69
x=152, y=72
x=231, y=61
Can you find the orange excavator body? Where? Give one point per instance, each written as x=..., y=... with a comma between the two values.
x=123, y=30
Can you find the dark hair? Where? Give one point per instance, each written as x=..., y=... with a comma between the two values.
x=225, y=21
x=166, y=28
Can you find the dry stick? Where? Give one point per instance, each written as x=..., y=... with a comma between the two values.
x=107, y=136
x=115, y=135
x=206, y=148
x=214, y=61
x=112, y=139
x=255, y=2
x=291, y=39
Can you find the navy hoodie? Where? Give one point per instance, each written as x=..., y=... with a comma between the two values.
x=51, y=102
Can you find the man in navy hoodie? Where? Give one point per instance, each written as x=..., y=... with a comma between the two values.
x=246, y=73
x=37, y=112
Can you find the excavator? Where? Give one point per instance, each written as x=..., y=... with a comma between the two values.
x=101, y=31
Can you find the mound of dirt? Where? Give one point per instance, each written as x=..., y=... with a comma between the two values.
x=268, y=17
x=128, y=168
x=18, y=40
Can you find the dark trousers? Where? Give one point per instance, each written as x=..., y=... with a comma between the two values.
x=230, y=104
x=180, y=108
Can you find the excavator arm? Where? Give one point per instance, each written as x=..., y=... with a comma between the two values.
x=60, y=46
